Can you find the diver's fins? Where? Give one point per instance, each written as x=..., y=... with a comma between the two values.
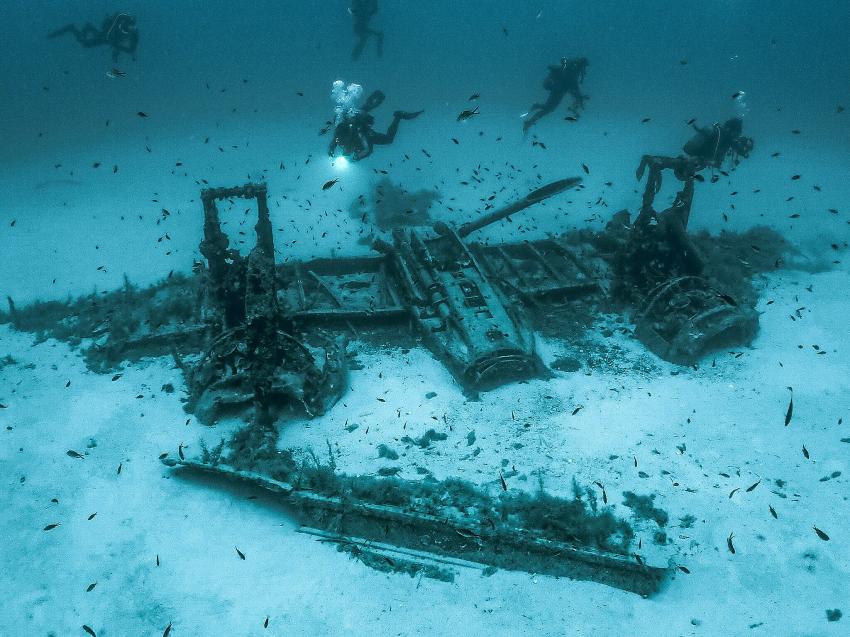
x=374, y=100
x=66, y=29
x=406, y=115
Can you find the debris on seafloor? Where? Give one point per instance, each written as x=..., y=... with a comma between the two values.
x=513, y=530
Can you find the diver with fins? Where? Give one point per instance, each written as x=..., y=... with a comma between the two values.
x=564, y=78
x=118, y=31
x=362, y=12
x=709, y=148
x=353, y=131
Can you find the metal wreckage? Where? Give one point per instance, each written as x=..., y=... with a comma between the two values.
x=268, y=336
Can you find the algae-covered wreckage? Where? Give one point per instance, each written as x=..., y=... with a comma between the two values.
x=257, y=337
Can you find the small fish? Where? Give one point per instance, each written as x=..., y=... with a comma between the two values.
x=796, y=131
x=790, y=412
x=50, y=527
x=699, y=178
x=266, y=623
x=502, y=480
x=821, y=534
x=729, y=543
x=635, y=457
x=585, y=169
x=116, y=377
x=167, y=630
x=240, y=553
x=91, y=517
x=753, y=486
x=467, y=114
x=115, y=73
x=795, y=177
x=142, y=114
x=120, y=464
x=691, y=121
x=604, y=495
x=90, y=587
x=474, y=97
x=731, y=493
x=329, y=184
x=455, y=141
x=684, y=569
x=638, y=558
x=577, y=409
x=773, y=512
x=180, y=451
x=157, y=560
x=805, y=452
x=645, y=120
x=89, y=631
x=571, y=118
x=75, y=454
x=737, y=94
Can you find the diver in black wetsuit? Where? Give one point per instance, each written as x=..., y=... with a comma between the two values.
x=118, y=31
x=362, y=12
x=354, y=133
x=562, y=79
x=711, y=145
x=709, y=148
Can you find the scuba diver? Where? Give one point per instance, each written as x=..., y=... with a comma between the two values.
x=562, y=79
x=353, y=132
x=362, y=11
x=711, y=145
x=709, y=148
x=119, y=31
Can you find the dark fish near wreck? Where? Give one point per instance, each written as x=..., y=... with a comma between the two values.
x=467, y=114
x=329, y=184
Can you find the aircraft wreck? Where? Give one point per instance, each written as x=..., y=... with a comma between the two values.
x=259, y=337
